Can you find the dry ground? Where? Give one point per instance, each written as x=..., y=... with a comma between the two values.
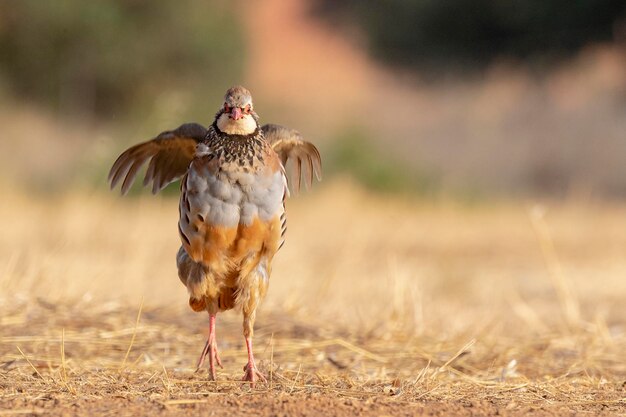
x=378, y=306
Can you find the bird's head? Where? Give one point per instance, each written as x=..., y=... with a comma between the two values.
x=237, y=116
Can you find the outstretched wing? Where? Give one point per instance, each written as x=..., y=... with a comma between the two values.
x=290, y=146
x=170, y=154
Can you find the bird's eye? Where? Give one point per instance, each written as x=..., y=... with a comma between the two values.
x=226, y=108
x=247, y=109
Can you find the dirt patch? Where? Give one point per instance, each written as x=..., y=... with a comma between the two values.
x=74, y=362
x=293, y=405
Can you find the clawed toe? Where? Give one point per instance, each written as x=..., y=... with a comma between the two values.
x=252, y=375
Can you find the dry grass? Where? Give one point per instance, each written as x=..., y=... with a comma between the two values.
x=375, y=304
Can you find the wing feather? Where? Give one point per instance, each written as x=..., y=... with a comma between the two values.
x=291, y=146
x=170, y=154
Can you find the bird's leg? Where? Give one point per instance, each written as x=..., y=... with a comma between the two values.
x=251, y=371
x=210, y=349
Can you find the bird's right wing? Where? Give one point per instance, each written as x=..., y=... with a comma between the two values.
x=170, y=154
x=290, y=146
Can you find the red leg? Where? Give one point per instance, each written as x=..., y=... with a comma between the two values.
x=210, y=349
x=251, y=371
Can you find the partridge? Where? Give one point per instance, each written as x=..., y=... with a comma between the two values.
x=232, y=206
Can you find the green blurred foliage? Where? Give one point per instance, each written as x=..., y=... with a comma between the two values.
x=354, y=154
x=98, y=58
x=461, y=36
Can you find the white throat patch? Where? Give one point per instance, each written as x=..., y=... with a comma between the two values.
x=244, y=126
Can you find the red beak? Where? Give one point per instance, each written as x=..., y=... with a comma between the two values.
x=236, y=113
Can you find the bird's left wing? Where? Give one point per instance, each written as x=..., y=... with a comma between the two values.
x=290, y=146
x=170, y=154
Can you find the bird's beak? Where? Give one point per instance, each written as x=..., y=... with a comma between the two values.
x=236, y=113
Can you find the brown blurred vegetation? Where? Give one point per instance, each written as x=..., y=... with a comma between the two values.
x=84, y=79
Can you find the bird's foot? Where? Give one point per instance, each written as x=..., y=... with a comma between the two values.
x=210, y=350
x=252, y=374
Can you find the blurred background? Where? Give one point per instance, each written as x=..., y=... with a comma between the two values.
x=421, y=97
